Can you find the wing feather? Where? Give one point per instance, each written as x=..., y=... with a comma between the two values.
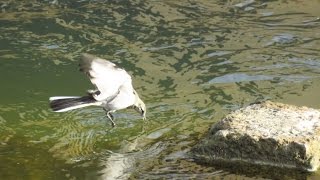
x=105, y=75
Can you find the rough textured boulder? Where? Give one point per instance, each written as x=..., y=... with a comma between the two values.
x=267, y=133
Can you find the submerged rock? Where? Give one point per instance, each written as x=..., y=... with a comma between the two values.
x=266, y=134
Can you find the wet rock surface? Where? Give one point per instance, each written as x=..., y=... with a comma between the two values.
x=266, y=134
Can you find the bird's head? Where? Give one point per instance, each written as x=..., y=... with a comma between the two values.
x=140, y=107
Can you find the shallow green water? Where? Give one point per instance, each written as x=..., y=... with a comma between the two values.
x=192, y=62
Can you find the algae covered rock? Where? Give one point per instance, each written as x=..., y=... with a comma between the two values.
x=267, y=134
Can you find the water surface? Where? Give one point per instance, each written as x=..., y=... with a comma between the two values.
x=192, y=62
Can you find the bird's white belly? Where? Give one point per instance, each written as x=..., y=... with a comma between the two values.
x=120, y=103
x=123, y=100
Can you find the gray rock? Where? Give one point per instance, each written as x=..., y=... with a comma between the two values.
x=266, y=134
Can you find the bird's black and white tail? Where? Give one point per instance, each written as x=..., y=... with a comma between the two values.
x=67, y=103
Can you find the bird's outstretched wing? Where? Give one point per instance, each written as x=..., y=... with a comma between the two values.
x=106, y=76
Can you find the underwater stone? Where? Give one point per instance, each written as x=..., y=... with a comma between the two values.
x=265, y=134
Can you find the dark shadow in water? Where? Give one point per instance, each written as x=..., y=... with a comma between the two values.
x=255, y=171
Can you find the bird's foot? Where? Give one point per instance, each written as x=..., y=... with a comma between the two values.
x=111, y=118
x=113, y=124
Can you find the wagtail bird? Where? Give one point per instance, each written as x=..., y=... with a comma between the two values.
x=114, y=90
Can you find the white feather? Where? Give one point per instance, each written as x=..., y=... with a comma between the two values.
x=62, y=97
x=108, y=78
x=124, y=99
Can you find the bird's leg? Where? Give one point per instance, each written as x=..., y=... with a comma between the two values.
x=110, y=117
